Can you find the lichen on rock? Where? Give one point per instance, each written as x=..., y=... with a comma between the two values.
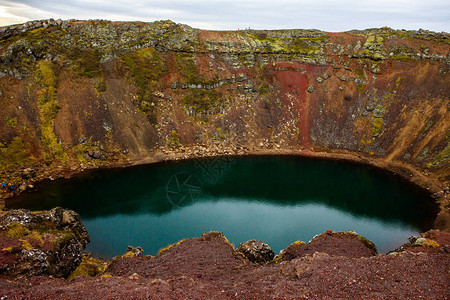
x=44, y=243
x=256, y=251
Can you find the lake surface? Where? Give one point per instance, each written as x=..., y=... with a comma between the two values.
x=276, y=199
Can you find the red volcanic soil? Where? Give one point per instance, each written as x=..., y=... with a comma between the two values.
x=208, y=267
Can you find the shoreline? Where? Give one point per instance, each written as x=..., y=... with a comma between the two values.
x=426, y=181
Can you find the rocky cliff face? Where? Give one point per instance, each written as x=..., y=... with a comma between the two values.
x=45, y=243
x=77, y=94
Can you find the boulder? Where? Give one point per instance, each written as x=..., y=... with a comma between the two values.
x=41, y=243
x=256, y=251
x=97, y=154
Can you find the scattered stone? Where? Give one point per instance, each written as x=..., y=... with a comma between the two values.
x=371, y=106
x=241, y=77
x=302, y=267
x=82, y=140
x=310, y=89
x=137, y=252
x=256, y=251
x=319, y=79
x=379, y=111
x=97, y=154
x=28, y=173
x=438, y=195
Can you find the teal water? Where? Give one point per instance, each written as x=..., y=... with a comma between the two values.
x=277, y=199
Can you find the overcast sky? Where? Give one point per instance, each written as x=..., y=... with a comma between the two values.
x=328, y=15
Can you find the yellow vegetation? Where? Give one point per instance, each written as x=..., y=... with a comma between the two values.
x=90, y=267
x=26, y=244
x=430, y=244
x=16, y=230
x=48, y=108
x=170, y=246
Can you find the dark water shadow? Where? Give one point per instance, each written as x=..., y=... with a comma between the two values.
x=280, y=180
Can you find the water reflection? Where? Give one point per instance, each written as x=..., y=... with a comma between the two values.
x=278, y=199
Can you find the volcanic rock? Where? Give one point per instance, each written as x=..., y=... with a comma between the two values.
x=44, y=243
x=256, y=251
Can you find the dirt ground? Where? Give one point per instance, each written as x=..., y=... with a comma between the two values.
x=208, y=267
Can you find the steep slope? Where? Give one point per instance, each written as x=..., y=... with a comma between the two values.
x=81, y=94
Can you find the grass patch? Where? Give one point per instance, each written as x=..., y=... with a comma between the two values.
x=86, y=62
x=15, y=230
x=168, y=247
x=48, y=108
x=89, y=267
x=187, y=68
x=441, y=158
x=174, y=140
x=15, y=154
x=202, y=101
x=377, y=126
x=147, y=68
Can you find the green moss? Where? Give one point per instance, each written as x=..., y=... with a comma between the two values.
x=373, y=48
x=367, y=243
x=26, y=244
x=145, y=65
x=360, y=87
x=11, y=122
x=187, y=68
x=86, y=62
x=65, y=237
x=48, y=108
x=426, y=128
x=146, y=68
x=443, y=157
x=220, y=134
x=80, y=149
x=202, y=101
x=174, y=140
x=309, y=47
x=89, y=267
x=428, y=243
x=263, y=88
x=423, y=154
x=169, y=247
x=401, y=57
x=15, y=154
x=15, y=230
x=377, y=126
x=101, y=86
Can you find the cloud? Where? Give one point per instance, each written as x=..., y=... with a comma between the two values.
x=329, y=15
